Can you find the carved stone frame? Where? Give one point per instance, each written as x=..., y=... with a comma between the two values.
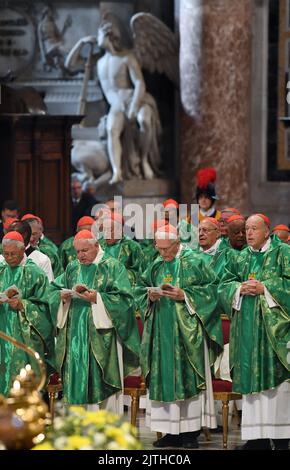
x=266, y=196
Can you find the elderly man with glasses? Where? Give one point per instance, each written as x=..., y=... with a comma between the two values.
x=24, y=310
x=181, y=337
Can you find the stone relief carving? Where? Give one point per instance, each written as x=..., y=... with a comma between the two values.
x=50, y=39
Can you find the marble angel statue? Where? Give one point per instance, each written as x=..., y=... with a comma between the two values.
x=132, y=124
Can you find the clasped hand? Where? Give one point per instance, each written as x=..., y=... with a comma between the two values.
x=15, y=304
x=252, y=287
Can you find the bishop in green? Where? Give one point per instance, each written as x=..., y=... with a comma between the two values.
x=98, y=340
x=26, y=317
x=182, y=336
x=254, y=292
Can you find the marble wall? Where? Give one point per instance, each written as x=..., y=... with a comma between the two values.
x=221, y=136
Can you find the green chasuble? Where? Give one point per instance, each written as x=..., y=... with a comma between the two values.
x=149, y=253
x=260, y=335
x=46, y=241
x=49, y=251
x=218, y=260
x=32, y=326
x=129, y=254
x=172, y=349
x=87, y=356
x=188, y=234
x=67, y=252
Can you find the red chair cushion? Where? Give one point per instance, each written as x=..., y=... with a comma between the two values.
x=140, y=326
x=54, y=379
x=226, y=325
x=221, y=385
x=132, y=382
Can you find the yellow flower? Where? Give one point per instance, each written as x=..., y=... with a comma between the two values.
x=43, y=446
x=122, y=442
x=113, y=433
x=94, y=418
x=75, y=442
x=78, y=410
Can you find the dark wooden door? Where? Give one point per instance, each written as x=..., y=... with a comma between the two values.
x=35, y=168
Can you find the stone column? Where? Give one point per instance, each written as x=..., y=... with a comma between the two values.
x=220, y=136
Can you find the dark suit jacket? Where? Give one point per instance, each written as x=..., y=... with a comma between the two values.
x=83, y=207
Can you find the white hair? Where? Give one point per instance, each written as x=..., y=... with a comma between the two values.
x=33, y=222
x=10, y=241
x=92, y=241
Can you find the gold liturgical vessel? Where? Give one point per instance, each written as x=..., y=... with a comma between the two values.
x=23, y=414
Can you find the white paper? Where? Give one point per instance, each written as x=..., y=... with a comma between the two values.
x=3, y=295
x=72, y=291
x=158, y=290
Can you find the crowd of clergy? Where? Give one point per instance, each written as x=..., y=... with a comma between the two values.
x=77, y=305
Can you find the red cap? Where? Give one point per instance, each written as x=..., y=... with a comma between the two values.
x=167, y=229
x=288, y=239
x=31, y=216
x=9, y=221
x=235, y=217
x=231, y=209
x=14, y=236
x=265, y=218
x=84, y=235
x=86, y=220
x=281, y=227
x=157, y=224
x=212, y=220
x=115, y=216
x=171, y=202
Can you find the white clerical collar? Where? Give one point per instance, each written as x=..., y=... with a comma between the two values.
x=214, y=248
x=23, y=261
x=179, y=251
x=209, y=212
x=99, y=256
x=264, y=248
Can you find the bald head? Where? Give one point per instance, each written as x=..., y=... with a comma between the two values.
x=257, y=232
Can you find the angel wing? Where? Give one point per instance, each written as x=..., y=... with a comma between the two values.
x=155, y=46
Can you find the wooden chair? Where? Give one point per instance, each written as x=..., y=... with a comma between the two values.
x=222, y=389
x=134, y=386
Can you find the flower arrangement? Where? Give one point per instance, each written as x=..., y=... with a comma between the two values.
x=79, y=429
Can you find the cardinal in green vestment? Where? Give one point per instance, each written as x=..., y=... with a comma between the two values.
x=25, y=314
x=177, y=300
x=254, y=292
x=94, y=316
x=121, y=247
x=66, y=251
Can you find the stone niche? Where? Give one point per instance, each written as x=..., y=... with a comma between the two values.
x=35, y=38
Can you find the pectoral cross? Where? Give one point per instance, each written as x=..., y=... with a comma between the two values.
x=252, y=276
x=168, y=279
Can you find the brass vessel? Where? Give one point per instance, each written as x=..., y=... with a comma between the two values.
x=23, y=414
